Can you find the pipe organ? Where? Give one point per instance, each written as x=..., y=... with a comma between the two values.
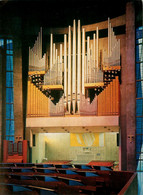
x=74, y=70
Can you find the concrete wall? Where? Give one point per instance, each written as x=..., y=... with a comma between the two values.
x=38, y=151
x=18, y=95
x=128, y=94
x=57, y=147
x=130, y=86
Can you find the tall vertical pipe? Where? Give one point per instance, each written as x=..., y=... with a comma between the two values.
x=57, y=67
x=69, y=70
x=79, y=67
x=108, y=37
x=65, y=71
x=61, y=64
x=94, y=49
x=51, y=51
x=83, y=59
x=119, y=52
x=97, y=44
x=41, y=43
x=74, y=68
x=88, y=59
x=54, y=53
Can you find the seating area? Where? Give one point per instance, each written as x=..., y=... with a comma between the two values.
x=57, y=178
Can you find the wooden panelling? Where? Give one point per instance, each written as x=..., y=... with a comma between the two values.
x=38, y=103
x=108, y=100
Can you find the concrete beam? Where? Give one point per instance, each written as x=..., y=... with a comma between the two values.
x=92, y=121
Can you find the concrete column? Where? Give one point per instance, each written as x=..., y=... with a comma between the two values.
x=130, y=86
x=17, y=83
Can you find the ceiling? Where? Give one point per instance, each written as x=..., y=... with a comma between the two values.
x=60, y=13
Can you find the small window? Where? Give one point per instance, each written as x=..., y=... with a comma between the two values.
x=117, y=139
x=34, y=140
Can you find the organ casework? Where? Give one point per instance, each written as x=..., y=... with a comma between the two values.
x=77, y=77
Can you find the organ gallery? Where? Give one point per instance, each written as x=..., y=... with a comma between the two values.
x=79, y=72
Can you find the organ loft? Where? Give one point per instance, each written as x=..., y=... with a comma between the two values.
x=80, y=76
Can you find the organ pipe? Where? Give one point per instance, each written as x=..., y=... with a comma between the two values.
x=54, y=54
x=51, y=51
x=88, y=59
x=69, y=70
x=83, y=59
x=65, y=70
x=74, y=68
x=97, y=37
x=79, y=67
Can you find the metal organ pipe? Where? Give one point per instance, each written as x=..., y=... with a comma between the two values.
x=83, y=59
x=79, y=67
x=54, y=53
x=94, y=49
x=51, y=51
x=74, y=68
x=88, y=59
x=97, y=37
x=41, y=44
x=60, y=63
x=69, y=70
x=108, y=37
x=65, y=71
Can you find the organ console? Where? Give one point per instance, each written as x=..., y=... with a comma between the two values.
x=73, y=70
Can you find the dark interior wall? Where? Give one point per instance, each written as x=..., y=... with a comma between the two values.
x=0, y=105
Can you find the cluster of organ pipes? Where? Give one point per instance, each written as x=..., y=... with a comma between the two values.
x=105, y=104
x=58, y=109
x=54, y=74
x=112, y=58
x=36, y=61
x=74, y=66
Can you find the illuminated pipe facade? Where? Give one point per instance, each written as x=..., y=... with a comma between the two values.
x=77, y=67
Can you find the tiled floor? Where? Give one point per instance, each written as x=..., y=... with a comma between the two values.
x=140, y=183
